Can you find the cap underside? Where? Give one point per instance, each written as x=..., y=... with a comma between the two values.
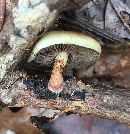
x=77, y=55
x=65, y=37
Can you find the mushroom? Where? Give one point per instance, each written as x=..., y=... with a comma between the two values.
x=65, y=49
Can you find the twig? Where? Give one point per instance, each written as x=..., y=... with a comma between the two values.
x=70, y=17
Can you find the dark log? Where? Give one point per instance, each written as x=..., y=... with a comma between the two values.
x=96, y=99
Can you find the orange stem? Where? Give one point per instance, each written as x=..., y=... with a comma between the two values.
x=56, y=81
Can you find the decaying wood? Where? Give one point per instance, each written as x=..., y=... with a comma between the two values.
x=107, y=102
x=29, y=18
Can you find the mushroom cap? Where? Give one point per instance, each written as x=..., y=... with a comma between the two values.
x=81, y=49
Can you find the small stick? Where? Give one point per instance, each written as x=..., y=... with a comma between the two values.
x=73, y=20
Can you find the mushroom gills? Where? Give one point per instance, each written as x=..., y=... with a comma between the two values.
x=65, y=37
x=66, y=48
x=76, y=57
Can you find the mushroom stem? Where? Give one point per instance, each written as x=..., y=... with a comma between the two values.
x=56, y=81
